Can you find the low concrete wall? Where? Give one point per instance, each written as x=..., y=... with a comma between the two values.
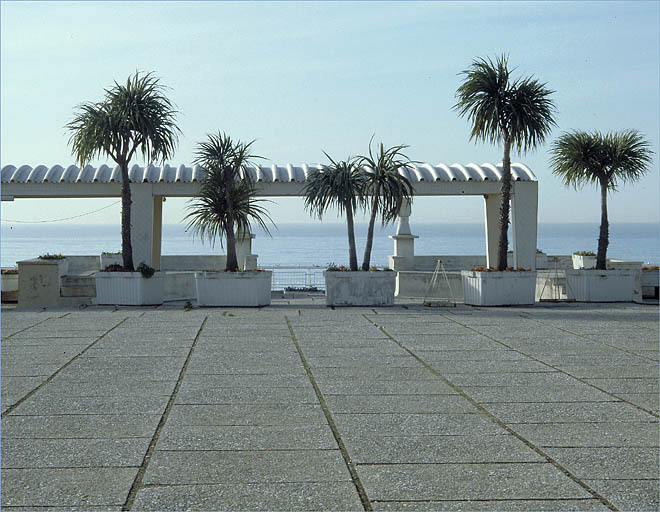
x=180, y=286
x=416, y=284
x=38, y=283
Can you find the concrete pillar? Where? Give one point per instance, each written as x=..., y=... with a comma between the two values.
x=157, y=232
x=246, y=260
x=524, y=213
x=142, y=223
x=492, y=216
x=404, y=241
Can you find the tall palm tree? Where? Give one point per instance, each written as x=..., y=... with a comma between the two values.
x=226, y=198
x=388, y=189
x=132, y=117
x=604, y=161
x=340, y=184
x=515, y=113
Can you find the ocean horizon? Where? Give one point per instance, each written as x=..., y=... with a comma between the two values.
x=318, y=244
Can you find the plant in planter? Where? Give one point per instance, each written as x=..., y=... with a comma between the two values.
x=115, y=286
x=605, y=161
x=131, y=117
x=347, y=185
x=61, y=261
x=584, y=259
x=225, y=205
x=518, y=114
x=110, y=258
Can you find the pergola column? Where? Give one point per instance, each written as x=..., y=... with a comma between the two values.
x=524, y=212
x=157, y=232
x=492, y=214
x=145, y=211
x=246, y=260
x=404, y=241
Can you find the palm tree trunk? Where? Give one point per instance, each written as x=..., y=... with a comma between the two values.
x=232, y=260
x=126, y=245
x=366, y=261
x=604, y=238
x=352, y=250
x=503, y=242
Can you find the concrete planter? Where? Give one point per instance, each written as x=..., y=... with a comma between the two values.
x=482, y=288
x=108, y=258
x=9, y=282
x=237, y=289
x=359, y=288
x=129, y=288
x=650, y=283
x=580, y=262
x=601, y=285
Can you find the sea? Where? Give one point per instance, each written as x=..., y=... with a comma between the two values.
x=318, y=244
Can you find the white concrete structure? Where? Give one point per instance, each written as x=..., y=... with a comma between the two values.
x=151, y=184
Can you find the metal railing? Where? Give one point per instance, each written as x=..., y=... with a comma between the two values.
x=297, y=277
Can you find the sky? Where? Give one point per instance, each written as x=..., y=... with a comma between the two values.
x=306, y=77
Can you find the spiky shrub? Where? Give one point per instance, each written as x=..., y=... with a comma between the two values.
x=387, y=188
x=517, y=114
x=604, y=160
x=340, y=184
x=132, y=117
x=226, y=201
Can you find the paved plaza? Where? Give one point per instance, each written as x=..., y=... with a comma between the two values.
x=301, y=407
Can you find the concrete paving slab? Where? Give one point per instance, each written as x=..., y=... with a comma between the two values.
x=278, y=437
x=438, y=449
x=406, y=482
x=401, y=425
x=584, y=412
x=102, y=426
x=576, y=392
x=28, y=370
x=265, y=396
x=373, y=373
x=385, y=387
x=640, y=385
x=614, y=371
x=126, y=387
x=81, y=487
x=70, y=453
x=383, y=404
x=608, y=463
x=44, y=404
x=491, y=505
x=488, y=367
x=192, y=381
x=274, y=414
x=629, y=494
x=214, y=467
x=586, y=435
x=227, y=368
x=257, y=496
x=544, y=378
x=398, y=361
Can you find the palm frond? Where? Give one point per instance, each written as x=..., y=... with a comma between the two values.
x=500, y=109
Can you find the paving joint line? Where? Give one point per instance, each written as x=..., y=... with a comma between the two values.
x=556, y=368
x=53, y=375
x=31, y=326
x=137, y=482
x=499, y=422
x=362, y=493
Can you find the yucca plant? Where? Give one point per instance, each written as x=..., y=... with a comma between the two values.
x=341, y=184
x=132, y=117
x=387, y=188
x=226, y=200
x=518, y=114
x=605, y=161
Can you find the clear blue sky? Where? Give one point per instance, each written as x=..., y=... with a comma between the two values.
x=306, y=77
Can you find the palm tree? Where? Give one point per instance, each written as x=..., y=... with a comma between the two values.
x=388, y=189
x=131, y=117
x=341, y=184
x=516, y=114
x=604, y=161
x=226, y=198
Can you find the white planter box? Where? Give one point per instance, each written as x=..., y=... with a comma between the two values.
x=9, y=282
x=601, y=285
x=110, y=259
x=359, y=288
x=238, y=289
x=129, y=288
x=498, y=288
x=650, y=278
x=580, y=262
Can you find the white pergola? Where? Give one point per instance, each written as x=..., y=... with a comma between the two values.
x=151, y=184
